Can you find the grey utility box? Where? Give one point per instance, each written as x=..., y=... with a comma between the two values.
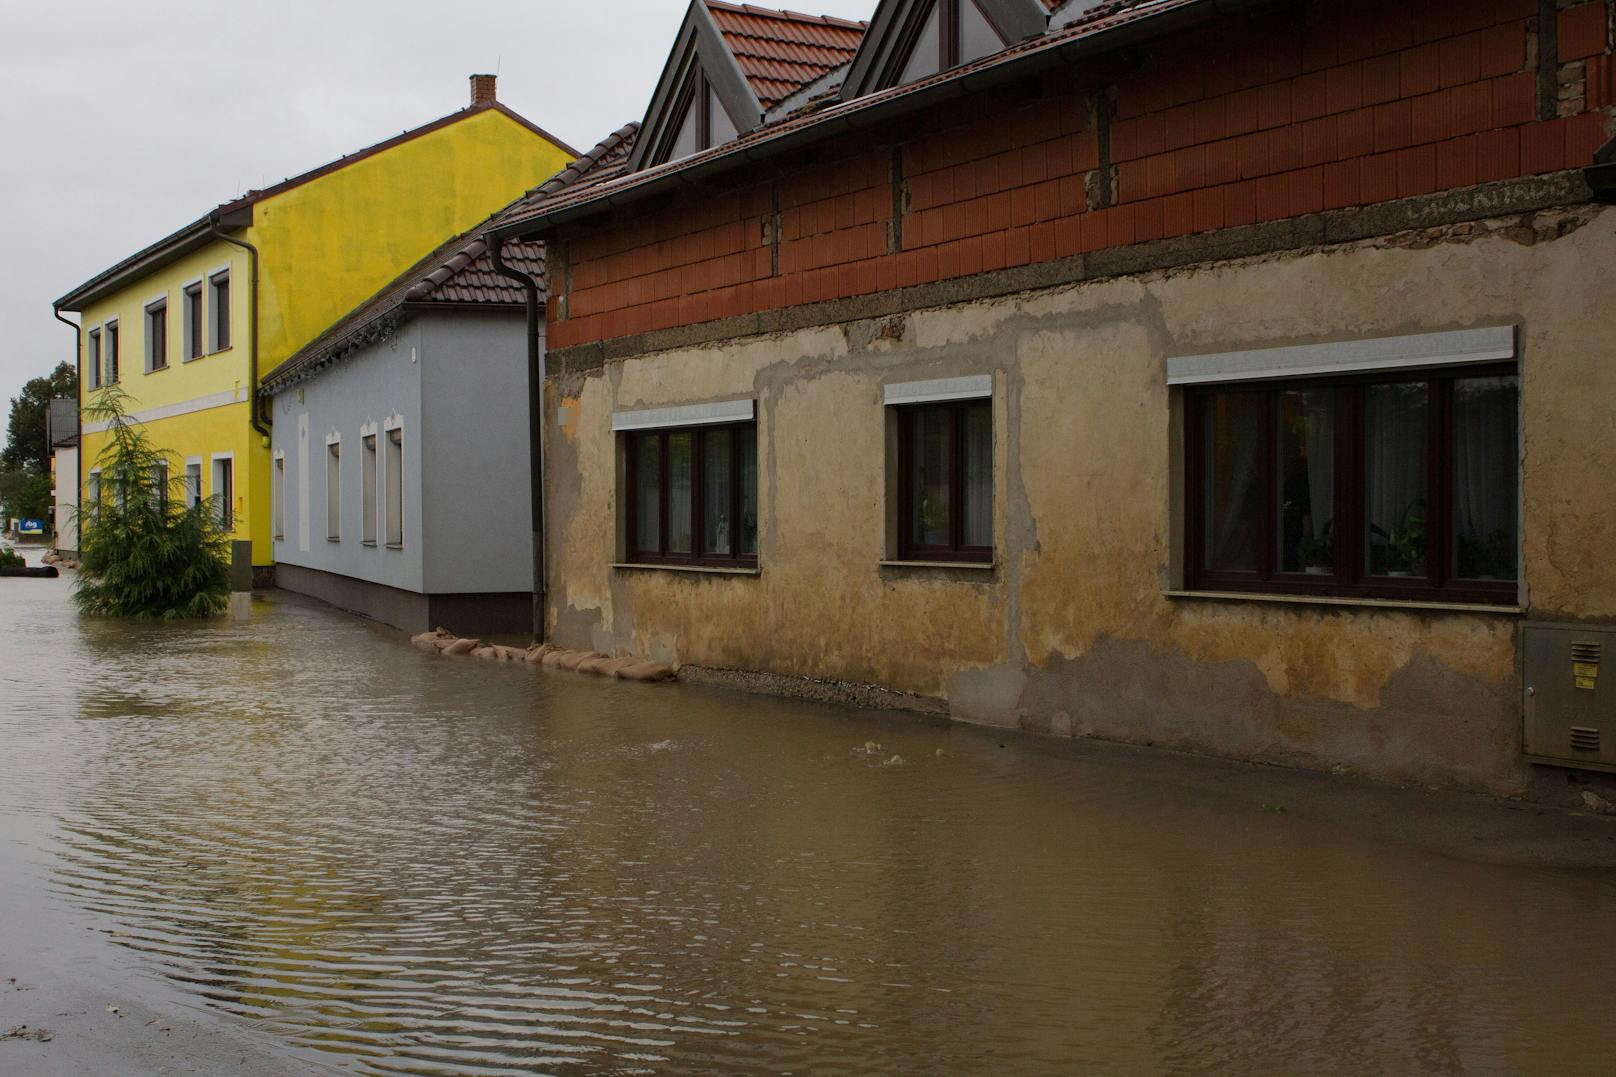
x=1570, y=704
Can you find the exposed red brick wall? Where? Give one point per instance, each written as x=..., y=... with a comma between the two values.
x=1258, y=119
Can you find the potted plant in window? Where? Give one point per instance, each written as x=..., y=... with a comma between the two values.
x=1317, y=552
x=1402, y=546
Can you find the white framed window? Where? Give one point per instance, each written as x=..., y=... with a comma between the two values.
x=159, y=488
x=219, y=310
x=224, y=490
x=395, y=487
x=157, y=335
x=191, y=302
x=333, y=490
x=92, y=357
x=367, y=486
x=109, y=343
x=277, y=497
x=193, y=482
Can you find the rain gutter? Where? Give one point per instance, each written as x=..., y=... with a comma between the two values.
x=216, y=229
x=535, y=422
x=959, y=87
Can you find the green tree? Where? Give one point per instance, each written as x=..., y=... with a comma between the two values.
x=25, y=495
x=144, y=552
x=25, y=439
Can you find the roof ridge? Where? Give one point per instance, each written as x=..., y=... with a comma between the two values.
x=788, y=14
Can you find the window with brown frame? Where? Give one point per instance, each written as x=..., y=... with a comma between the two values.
x=945, y=481
x=701, y=120
x=692, y=495
x=192, y=296
x=1394, y=486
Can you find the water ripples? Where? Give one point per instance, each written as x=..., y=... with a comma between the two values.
x=419, y=866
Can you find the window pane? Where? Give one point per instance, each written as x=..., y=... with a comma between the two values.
x=680, y=483
x=1396, y=477
x=978, y=492
x=1307, y=481
x=1485, y=459
x=647, y=493
x=687, y=141
x=978, y=38
x=715, y=490
x=930, y=458
x=747, y=539
x=1233, y=436
x=720, y=128
x=926, y=57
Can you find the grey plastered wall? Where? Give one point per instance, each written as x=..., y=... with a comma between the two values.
x=478, y=524
x=381, y=381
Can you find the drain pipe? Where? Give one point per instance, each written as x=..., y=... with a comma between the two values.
x=535, y=424
x=253, y=412
x=78, y=454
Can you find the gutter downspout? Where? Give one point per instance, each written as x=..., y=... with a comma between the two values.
x=78, y=455
x=253, y=410
x=535, y=425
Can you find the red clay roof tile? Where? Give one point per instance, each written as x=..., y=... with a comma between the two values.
x=780, y=52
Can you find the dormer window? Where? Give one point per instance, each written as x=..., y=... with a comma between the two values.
x=945, y=34
x=703, y=121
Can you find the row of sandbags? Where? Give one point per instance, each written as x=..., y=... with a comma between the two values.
x=53, y=558
x=442, y=641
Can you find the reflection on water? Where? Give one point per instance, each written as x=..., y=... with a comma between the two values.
x=429, y=866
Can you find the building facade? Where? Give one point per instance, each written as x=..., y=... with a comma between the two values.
x=186, y=326
x=62, y=436
x=1219, y=377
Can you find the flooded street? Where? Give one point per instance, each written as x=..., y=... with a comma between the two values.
x=399, y=863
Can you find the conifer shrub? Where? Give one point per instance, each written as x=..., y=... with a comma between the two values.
x=145, y=552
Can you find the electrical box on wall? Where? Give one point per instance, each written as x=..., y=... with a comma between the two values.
x=1570, y=704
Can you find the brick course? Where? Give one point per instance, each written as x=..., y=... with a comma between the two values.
x=1255, y=119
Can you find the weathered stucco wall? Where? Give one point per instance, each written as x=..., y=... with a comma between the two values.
x=1072, y=631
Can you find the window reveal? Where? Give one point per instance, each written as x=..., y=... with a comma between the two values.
x=1369, y=486
x=945, y=481
x=692, y=495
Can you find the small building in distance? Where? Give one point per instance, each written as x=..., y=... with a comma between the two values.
x=62, y=443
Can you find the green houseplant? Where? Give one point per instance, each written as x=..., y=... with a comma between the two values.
x=1317, y=552
x=1401, y=548
x=144, y=553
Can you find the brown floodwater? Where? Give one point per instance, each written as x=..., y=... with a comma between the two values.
x=411, y=864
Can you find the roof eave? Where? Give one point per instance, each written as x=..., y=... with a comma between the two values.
x=164, y=252
x=856, y=119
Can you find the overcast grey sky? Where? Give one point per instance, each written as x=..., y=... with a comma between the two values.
x=121, y=122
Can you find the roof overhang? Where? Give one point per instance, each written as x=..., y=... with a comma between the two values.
x=1136, y=25
x=166, y=251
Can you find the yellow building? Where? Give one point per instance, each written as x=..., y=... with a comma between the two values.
x=187, y=325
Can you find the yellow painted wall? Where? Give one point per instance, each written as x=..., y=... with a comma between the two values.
x=325, y=246
x=329, y=244
x=201, y=435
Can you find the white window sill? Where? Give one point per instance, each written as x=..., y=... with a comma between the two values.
x=395, y=545
x=970, y=566
x=368, y=542
x=157, y=369
x=333, y=538
x=1333, y=600
x=706, y=570
x=221, y=351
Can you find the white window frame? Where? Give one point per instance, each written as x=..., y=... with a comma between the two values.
x=211, y=328
x=369, y=474
x=392, y=530
x=111, y=325
x=92, y=492
x=277, y=496
x=333, y=494
x=213, y=477
x=92, y=354
x=193, y=492
x=190, y=346
x=147, y=310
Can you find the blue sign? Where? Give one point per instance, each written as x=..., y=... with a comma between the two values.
x=31, y=527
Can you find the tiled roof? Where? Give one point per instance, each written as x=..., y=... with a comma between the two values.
x=459, y=272
x=780, y=52
x=1104, y=19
